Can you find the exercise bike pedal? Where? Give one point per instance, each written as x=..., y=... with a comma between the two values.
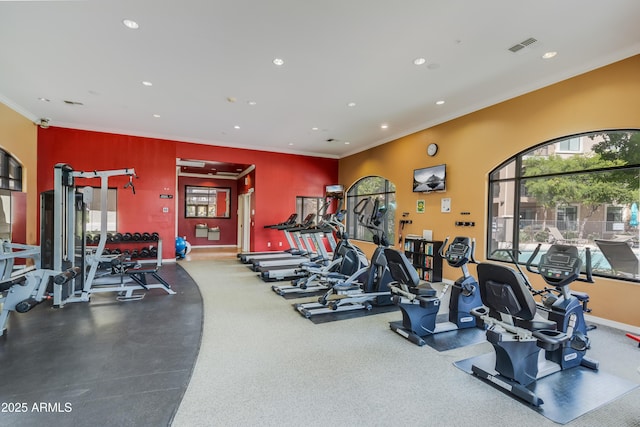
x=590, y=363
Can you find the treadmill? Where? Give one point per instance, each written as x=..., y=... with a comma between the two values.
x=307, y=249
x=294, y=271
x=247, y=257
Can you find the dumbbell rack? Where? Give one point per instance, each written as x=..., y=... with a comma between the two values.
x=148, y=249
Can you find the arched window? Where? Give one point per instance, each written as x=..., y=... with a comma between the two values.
x=10, y=180
x=385, y=192
x=582, y=190
x=10, y=172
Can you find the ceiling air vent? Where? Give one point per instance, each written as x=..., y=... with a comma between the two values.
x=72, y=102
x=523, y=44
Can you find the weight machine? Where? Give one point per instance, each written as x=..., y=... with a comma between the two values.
x=64, y=244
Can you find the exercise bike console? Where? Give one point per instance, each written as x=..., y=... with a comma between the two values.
x=561, y=265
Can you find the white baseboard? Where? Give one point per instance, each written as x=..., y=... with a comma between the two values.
x=213, y=246
x=613, y=324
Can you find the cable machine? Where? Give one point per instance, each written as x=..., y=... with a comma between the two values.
x=64, y=244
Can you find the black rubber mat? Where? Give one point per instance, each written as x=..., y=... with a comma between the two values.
x=456, y=339
x=106, y=362
x=450, y=340
x=566, y=394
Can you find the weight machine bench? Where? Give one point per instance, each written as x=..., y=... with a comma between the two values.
x=139, y=275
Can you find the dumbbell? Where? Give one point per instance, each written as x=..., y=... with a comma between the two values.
x=155, y=236
x=153, y=252
x=127, y=236
x=146, y=236
x=117, y=237
x=144, y=253
x=136, y=236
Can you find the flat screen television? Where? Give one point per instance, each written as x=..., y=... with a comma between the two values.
x=429, y=179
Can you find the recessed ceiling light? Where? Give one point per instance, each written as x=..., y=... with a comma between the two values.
x=252, y=103
x=157, y=116
x=351, y=104
x=146, y=83
x=236, y=127
x=130, y=24
x=385, y=126
x=549, y=55
x=347, y=143
x=314, y=128
x=291, y=143
x=44, y=99
x=278, y=61
x=419, y=61
x=439, y=102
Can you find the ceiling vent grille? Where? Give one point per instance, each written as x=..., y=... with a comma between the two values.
x=72, y=102
x=523, y=44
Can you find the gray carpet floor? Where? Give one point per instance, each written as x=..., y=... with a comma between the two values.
x=262, y=364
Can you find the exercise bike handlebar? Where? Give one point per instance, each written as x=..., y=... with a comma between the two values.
x=472, y=257
x=442, y=248
x=531, y=258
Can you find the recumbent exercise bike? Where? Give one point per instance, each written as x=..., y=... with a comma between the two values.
x=527, y=346
x=419, y=302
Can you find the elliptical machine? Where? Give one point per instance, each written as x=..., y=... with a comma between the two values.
x=527, y=346
x=419, y=302
x=315, y=278
x=367, y=287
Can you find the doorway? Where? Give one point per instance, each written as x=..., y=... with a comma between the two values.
x=244, y=221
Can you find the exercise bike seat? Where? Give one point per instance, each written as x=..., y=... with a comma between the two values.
x=538, y=323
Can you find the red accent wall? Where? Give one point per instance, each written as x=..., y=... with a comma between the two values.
x=152, y=159
x=277, y=179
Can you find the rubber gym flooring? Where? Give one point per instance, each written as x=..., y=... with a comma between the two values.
x=129, y=362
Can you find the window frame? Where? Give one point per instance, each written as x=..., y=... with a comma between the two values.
x=94, y=214
x=506, y=184
x=387, y=198
x=10, y=172
x=206, y=207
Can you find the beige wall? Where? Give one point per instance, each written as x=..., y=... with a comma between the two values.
x=471, y=146
x=18, y=136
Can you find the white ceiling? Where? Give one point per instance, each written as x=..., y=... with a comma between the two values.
x=201, y=55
